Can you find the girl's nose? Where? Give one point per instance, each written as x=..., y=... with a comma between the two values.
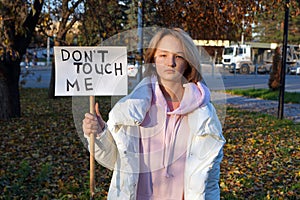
x=171, y=61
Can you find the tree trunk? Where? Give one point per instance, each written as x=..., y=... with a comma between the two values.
x=51, y=91
x=9, y=91
x=13, y=89
x=274, y=80
x=5, y=111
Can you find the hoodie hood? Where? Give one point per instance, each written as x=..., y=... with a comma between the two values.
x=194, y=96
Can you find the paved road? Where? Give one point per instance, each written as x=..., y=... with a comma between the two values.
x=217, y=79
x=35, y=77
x=292, y=83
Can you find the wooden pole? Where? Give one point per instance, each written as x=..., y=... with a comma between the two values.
x=283, y=62
x=92, y=152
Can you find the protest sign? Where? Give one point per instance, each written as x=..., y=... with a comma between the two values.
x=86, y=71
x=91, y=71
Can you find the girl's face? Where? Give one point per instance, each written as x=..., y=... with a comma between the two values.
x=169, y=59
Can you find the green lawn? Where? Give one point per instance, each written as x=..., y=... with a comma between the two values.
x=289, y=97
x=43, y=156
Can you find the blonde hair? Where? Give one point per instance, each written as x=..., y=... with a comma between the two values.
x=191, y=54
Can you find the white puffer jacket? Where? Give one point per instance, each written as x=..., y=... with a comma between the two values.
x=118, y=147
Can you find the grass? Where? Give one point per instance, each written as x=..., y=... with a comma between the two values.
x=289, y=97
x=43, y=155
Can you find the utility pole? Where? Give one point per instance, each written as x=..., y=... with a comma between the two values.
x=48, y=39
x=243, y=34
x=140, y=37
x=283, y=66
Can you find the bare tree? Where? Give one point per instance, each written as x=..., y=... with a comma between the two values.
x=66, y=13
x=18, y=20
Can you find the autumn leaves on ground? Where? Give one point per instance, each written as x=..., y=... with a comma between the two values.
x=43, y=156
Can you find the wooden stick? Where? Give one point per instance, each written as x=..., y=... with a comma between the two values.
x=92, y=152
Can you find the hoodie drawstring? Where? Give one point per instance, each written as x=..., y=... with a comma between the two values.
x=169, y=142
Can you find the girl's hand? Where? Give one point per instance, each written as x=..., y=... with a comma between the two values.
x=93, y=124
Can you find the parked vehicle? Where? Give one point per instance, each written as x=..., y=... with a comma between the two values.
x=255, y=57
x=294, y=69
x=236, y=57
x=265, y=68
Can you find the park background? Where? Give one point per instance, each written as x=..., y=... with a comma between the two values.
x=42, y=156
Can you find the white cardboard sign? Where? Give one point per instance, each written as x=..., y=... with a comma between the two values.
x=90, y=71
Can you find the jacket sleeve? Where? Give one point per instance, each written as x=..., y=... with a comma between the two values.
x=105, y=149
x=212, y=184
x=207, y=144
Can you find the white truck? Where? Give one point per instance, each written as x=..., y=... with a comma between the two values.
x=237, y=58
x=244, y=58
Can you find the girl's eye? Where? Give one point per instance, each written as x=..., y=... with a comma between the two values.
x=179, y=57
x=162, y=55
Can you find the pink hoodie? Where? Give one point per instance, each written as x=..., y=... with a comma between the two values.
x=164, y=136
